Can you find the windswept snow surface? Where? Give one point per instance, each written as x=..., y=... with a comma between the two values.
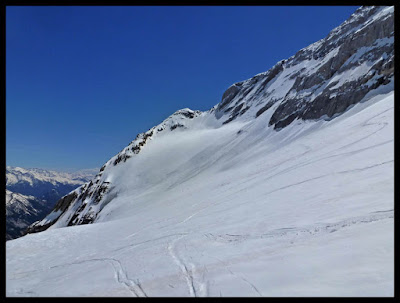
x=237, y=210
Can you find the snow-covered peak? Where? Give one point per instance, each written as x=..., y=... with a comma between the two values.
x=354, y=62
x=13, y=198
x=178, y=119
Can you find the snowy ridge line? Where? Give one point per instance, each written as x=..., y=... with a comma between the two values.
x=312, y=230
x=178, y=119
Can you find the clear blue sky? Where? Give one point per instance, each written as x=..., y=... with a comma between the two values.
x=82, y=82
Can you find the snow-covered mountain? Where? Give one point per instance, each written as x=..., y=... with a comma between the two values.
x=21, y=211
x=284, y=188
x=32, y=193
x=37, y=182
x=320, y=81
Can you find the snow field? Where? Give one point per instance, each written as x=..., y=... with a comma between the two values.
x=239, y=210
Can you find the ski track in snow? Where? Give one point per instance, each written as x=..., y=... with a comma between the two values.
x=182, y=266
x=313, y=161
x=305, y=230
x=122, y=278
x=235, y=192
x=368, y=123
x=327, y=175
x=134, y=245
x=189, y=274
x=120, y=274
x=248, y=282
x=225, y=265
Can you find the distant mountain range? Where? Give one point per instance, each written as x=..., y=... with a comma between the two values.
x=32, y=193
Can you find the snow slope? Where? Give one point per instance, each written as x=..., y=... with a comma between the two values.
x=306, y=211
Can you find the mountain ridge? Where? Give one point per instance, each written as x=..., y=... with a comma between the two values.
x=312, y=95
x=307, y=86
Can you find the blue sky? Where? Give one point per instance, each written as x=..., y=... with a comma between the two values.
x=82, y=82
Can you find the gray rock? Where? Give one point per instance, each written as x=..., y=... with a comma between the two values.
x=314, y=95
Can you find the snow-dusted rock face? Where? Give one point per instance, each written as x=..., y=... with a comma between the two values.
x=320, y=81
x=323, y=79
x=32, y=193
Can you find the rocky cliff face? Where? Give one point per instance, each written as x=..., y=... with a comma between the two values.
x=318, y=82
x=323, y=79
